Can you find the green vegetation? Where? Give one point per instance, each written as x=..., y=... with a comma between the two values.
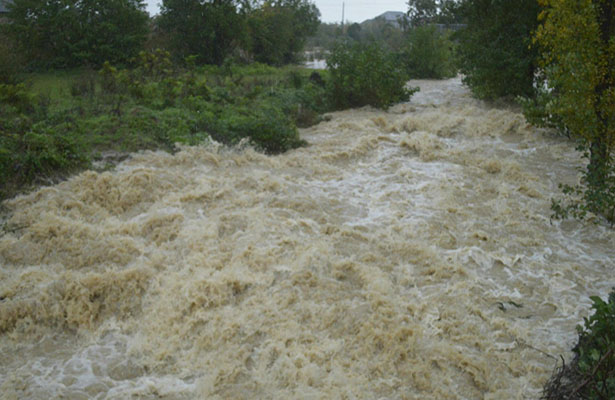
x=64, y=121
x=429, y=54
x=365, y=75
x=61, y=121
x=271, y=31
x=61, y=33
x=86, y=33
x=577, y=42
x=94, y=90
x=591, y=374
x=423, y=49
x=278, y=30
x=209, y=30
x=494, y=49
x=422, y=12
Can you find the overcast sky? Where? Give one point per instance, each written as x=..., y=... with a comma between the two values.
x=331, y=10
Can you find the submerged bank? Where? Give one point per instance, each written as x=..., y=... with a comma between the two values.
x=405, y=254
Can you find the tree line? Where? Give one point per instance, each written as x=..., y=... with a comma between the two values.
x=74, y=33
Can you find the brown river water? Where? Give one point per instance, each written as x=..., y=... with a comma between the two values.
x=406, y=254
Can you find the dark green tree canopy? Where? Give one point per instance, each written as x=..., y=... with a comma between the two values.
x=69, y=33
x=271, y=31
x=208, y=29
x=278, y=29
x=422, y=12
x=494, y=51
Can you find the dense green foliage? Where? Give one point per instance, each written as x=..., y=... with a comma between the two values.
x=75, y=33
x=428, y=54
x=33, y=143
x=277, y=30
x=591, y=374
x=68, y=33
x=425, y=48
x=150, y=106
x=591, y=195
x=209, y=30
x=494, y=49
x=577, y=43
x=422, y=12
x=363, y=74
x=269, y=31
x=596, y=349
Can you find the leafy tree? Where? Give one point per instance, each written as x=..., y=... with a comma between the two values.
x=428, y=54
x=278, y=29
x=69, y=33
x=208, y=29
x=365, y=74
x=577, y=43
x=421, y=12
x=494, y=49
x=354, y=31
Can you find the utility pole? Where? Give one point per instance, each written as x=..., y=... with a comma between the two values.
x=343, y=9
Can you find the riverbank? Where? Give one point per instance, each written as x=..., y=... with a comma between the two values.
x=56, y=124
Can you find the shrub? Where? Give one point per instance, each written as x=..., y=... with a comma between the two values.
x=365, y=75
x=40, y=152
x=267, y=127
x=591, y=374
x=494, y=51
x=428, y=54
x=303, y=105
x=17, y=98
x=586, y=197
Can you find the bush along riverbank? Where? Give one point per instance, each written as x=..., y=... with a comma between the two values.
x=590, y=374
x=56, y=124
x=61, y=122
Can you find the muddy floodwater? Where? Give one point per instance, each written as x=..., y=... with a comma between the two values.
x=405, y=254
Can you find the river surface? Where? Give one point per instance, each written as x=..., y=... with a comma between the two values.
x=406, y=254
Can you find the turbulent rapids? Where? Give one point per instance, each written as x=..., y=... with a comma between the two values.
x=405, y=254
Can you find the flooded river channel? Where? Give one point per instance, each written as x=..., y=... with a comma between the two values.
x=406, y=254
